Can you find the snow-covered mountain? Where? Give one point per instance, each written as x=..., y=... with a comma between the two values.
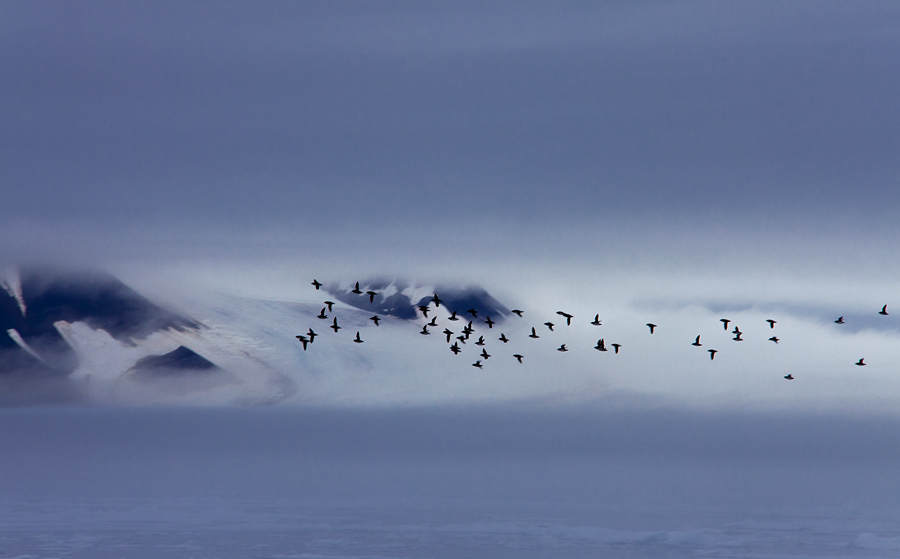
x=86, y=336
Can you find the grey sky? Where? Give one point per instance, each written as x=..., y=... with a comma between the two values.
x=225, y=115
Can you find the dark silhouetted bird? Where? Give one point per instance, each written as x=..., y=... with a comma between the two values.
x=485, y=354
x=562, y=348
x=774, y=339
x=462, y=339
x=334, y=325
x=424, y=309
x=425, y=331
x=518, y=312
x=533, y=333
x=568, y=317
x=329, y=304
x=312, y=335
x=725, y=322
x=771, y=322
x=316, y=284
x=789, y=376
x=861, y=363
x=480, y=340
x=375, y=319
x=448, y=333
x=651, y=326
x=736, y=331
x=473, y=312
x=549, y=325
x=477, y=364
x=883, y=311
x=468, y=329
x=433, y=321
x=358, y=339
x=518, y=357
x=697, y=342
x=322, y=314
x=840, y=320
x=455, y=348
x=371, y=295
x=437, y=302
x=303, y=340
x=489, y=322
x=712, y=354
x=616, y=347
x=453, y=316
x=601, y=345
x=737, y=337
x=596, y=321
x=356, y=289
x=503, y=338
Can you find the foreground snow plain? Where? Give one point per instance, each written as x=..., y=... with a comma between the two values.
x=446, y=482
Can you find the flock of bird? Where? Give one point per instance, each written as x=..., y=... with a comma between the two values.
x=469, y=329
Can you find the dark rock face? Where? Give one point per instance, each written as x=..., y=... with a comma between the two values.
x=177, y=361
x=401, y=306
x=95, y=298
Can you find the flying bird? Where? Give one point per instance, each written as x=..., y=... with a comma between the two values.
x=312, y=335
x=480, y=340
x=616, y=347
x=697, y=342
x=303, y=340
x=356, y=289
x=334, y=326
x=518, y=357
x=448, y=333
x=329, y=304
x=462, y=339
x=771, y=322
x=375, y=319
x=549, y=325
x=503, y=337
x=489, y=322
x=477, y=364
x=562, y=348
x=596, y=321
x=437, y=302
x=425, y=331
x=455, y=348
x=883, y=311
x=737, y=337
x=424, y=309
x=736, y=331
x=371, y=295
x=358, y=339
x=651, y=326
x=316, y=284
x=533, y=334
x=725, y=322
x=774, y=339
x=568, y=317
x=453, y=316
x=485, y=354
x=322, y=314
x=789, y=377
x=433, y=321
x=518, y=312
x=840, y=320
x=712, y=354
x=601, y=345
x=473, y=312
x=861, y=363
x=468, y=329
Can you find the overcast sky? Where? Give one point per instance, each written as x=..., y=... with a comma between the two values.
x=127, y=121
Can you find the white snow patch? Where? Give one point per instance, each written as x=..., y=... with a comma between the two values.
x=12, y=284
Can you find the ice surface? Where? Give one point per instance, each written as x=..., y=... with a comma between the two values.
x=488, y=483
